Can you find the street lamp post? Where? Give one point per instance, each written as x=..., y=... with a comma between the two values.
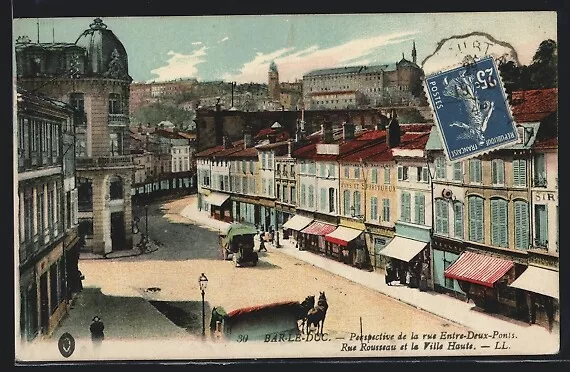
x=203, y=281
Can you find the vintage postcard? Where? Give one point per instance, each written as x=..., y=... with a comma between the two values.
x=286, y=186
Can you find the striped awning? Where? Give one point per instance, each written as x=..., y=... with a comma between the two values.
x=297, y=223
x=343, y=235
x=478, y=268
x=319, y=228
x=538, y=280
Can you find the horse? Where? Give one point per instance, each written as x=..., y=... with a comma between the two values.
x=304, y=307
x=316, y=316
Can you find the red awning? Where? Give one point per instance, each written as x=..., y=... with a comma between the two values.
x=478, y=268
x=319, y=228
x=343, y=235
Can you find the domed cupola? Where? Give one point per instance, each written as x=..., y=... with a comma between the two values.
x=106, y=55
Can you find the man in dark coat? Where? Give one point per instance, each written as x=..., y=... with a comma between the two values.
x=97, y=335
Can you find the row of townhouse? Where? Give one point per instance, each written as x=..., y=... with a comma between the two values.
x=46, y=222
x=484, y=229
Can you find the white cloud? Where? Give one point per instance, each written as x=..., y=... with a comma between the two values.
x=293, y=64
x=180, y=65
x=226, y=38
x=197, y=43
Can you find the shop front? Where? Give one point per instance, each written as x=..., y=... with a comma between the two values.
x=540, y=288
x=445, y=252
x=408, y=262
x=219, y=208
x=348, y=246
x=293, y=226
x=313, y=237
x=377, y=239
x=485, y=279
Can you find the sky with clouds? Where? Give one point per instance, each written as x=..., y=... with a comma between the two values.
x=240, y=48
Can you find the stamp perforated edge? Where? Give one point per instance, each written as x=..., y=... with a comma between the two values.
x=487, y=150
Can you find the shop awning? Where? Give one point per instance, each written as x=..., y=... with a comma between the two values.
x=319, y=228
x=342, y=235
x=478, y=268
x=538, y=280
x=216, y=198
x=403, y=249
x=297, y=223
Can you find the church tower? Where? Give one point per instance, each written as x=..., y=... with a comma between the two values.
x=273, y=82
x=414, y=53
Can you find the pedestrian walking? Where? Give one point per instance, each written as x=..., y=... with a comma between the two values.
x=97, y=333
x=262, y=246
x=272, y=236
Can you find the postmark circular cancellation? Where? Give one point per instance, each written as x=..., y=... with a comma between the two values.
x=467, y=96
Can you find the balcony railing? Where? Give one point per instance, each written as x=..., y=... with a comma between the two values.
x=122, y=161
x=540, y=244
x=118, y=119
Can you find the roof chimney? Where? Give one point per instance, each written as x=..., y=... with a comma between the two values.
x=247, y=137
x=226, y=142
x=348, y=131
x=327, y=132
x=393, y=135
x=382, y=122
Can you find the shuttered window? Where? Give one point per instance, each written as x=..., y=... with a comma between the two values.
x=498, y=172
x=419, y=208
x=356, y=172
x=374, y=208
x=476, y=219
x=346, y=202
x=440, y=171
x=323, y=205
x=458, y=220
x=441, y=217
x=519, y=172
x=374, y=176
x=458, y=171
x=499, y=223
x=386, y=176
x=521, y=225
x=386, y=210
x=357, y=203
x=346, y=172
x=311, y=196
x=475, y=170
x=541, y=225
x=405, y=207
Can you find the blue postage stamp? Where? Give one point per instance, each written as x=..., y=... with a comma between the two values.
x=471, y=109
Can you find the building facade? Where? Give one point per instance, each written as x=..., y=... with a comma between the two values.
x=92, y=75
x=47, y=215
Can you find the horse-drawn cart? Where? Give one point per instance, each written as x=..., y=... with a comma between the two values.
x=237, y=243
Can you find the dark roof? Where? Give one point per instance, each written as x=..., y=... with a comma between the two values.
x=534, y=105
x=413, y=141
x=352, y=70
x=375, y=152
x=209, y=152
x=248, y=152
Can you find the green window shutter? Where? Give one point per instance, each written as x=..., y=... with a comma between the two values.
x=387, y=176
x=494, y=222
x=386, y=209
x=404, y=207
x=311, y=196
x=522, y=172
x=373, y=208
x=524, y=225
x=323, y=199
x=476, y=229
x=458, y=220
x=400, y=173
x=303, y=195
x=419, y=203
x=480, y=220
x=516, y=172
x=357, y=203
x=457, y=171
x=445, y=217
x=374, y=175
x=408, y=207
x=501, y=172
x=346, y=197
x=346, y=172
x=503, y=223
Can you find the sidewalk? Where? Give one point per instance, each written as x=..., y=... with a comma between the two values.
x=444, y=306
x=134, y=251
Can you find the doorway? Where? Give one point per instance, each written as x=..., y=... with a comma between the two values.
x=44, y=305
x=118, y=231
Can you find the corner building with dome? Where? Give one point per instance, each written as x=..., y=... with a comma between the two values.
x=92, y=75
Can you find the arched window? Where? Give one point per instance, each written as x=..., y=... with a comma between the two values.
x=115, y=188
x=522, y=225
x=476, y=218
x=499, y=222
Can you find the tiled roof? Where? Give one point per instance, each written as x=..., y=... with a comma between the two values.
x=209, y=152
x=550, y=143
x=249, y=152
x=413, y=141
x=533, y=105
x=370, y=153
